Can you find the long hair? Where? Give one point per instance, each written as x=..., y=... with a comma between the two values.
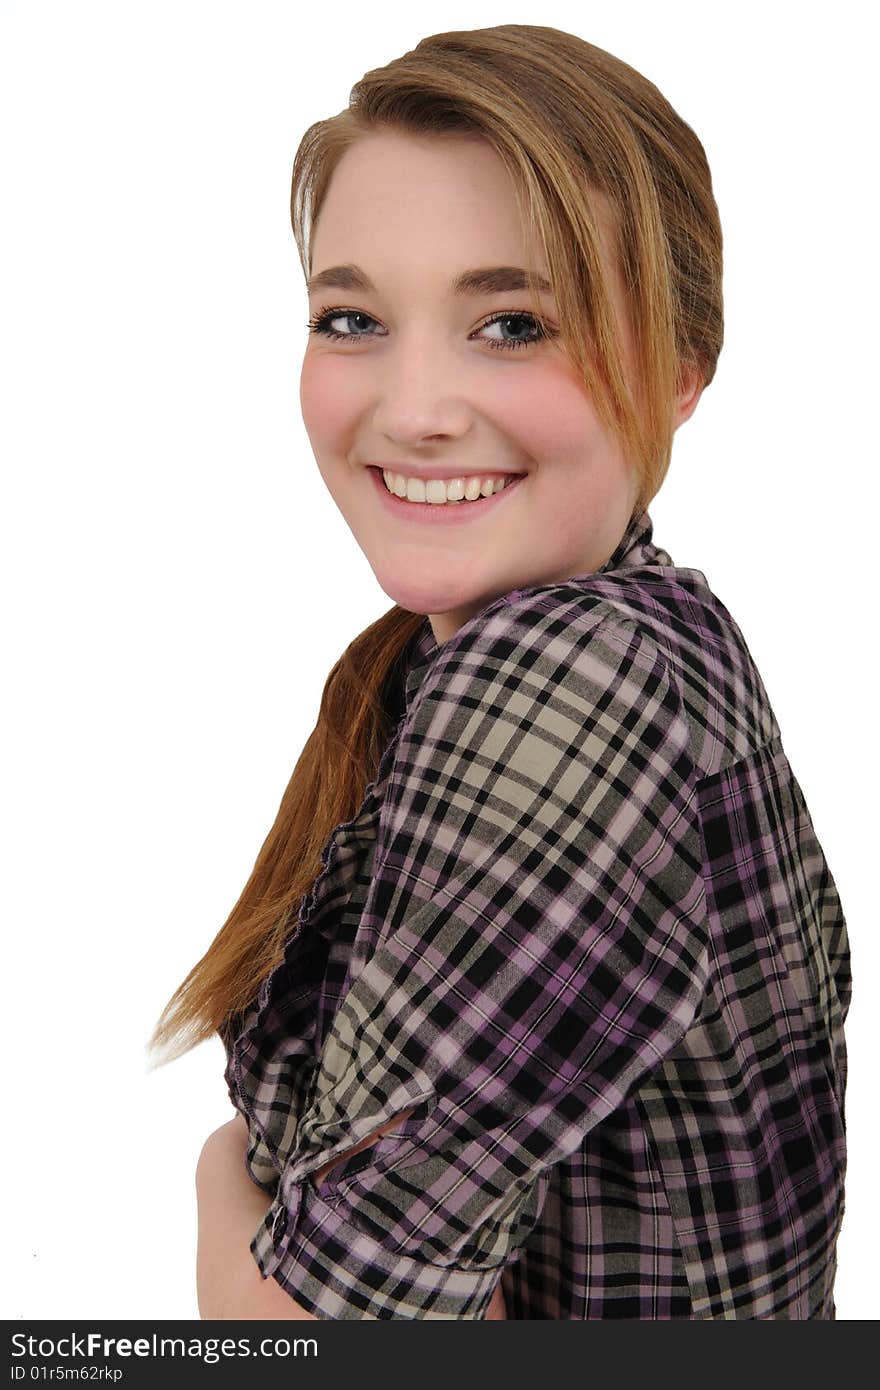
x=567, y=119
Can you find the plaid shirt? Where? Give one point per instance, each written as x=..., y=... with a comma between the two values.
x=583, y=924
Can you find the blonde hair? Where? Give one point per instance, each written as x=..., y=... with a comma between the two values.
x=569, y=121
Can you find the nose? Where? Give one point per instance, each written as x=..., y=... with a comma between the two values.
x=421, y=394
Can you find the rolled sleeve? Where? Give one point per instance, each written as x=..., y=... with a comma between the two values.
x=537, y=939
x=337, y=1271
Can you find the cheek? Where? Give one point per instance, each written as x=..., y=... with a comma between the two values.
x=326, y=401
x=553, y=421
x=581, y=480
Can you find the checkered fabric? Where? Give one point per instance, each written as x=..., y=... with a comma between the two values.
x=582, y=924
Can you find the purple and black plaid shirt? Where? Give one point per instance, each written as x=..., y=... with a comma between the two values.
x=581, y=922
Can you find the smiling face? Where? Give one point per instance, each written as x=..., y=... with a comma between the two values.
x=430, y=379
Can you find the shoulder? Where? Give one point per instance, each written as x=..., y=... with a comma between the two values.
x=556, y=623
x=554, y=654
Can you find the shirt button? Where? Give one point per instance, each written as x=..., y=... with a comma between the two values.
x=286, y=1216
x=279, y=1225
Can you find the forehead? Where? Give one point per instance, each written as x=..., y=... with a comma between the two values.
x=433, y=203
x=438, y=201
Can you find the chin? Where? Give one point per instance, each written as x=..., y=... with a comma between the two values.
x=426, y=598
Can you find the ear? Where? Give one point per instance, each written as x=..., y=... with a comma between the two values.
x=689, y=392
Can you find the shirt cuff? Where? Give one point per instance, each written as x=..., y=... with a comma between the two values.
x=336, y=1271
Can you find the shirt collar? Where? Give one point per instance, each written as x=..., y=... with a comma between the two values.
x=635, y=547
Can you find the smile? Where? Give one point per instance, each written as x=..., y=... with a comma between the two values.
x=439, y=491
x=418, y=507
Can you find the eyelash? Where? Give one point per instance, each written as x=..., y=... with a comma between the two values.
x=318, y=324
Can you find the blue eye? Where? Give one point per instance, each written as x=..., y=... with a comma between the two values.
x=321, y=323
x=532, y=326
x=517, y=321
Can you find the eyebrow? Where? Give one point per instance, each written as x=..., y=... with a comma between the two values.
x=498, y=279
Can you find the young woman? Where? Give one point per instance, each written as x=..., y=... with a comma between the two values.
x=534, y=1000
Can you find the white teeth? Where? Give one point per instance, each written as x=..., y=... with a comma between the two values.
x=439, y=491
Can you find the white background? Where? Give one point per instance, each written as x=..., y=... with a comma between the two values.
x=178, y=583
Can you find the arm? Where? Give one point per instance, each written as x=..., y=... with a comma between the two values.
x=540, y=930
x=230, y=1206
